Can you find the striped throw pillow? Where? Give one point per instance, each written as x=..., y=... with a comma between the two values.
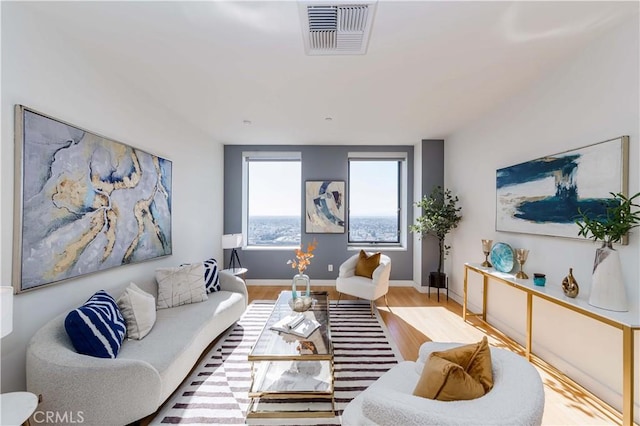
x=211, y=278
x=97, y=327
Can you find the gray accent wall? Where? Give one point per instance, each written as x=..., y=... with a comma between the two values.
x=432, y=175
x=318, y=162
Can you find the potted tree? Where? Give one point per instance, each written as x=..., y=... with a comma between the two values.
x=607, y=286
x=439, y=216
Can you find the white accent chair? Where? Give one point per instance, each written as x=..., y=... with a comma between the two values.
x=365, y=288
x=517, y=397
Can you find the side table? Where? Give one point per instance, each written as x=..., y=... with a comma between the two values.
x=238, y=272
x=17, y=407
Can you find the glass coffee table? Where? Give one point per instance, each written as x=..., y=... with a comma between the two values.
x=292, y=376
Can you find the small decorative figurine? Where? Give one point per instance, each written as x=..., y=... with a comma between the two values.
x=570, y=285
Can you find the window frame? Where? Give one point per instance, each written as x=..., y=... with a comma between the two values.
x=401, y=158
x=254, y=156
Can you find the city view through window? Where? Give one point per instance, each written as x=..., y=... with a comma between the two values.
x=274, y=203
x=286, y=230
x=275, y=209
x=374, y=200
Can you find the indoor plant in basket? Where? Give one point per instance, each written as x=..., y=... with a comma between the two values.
x=439, y=216
x=607, y=286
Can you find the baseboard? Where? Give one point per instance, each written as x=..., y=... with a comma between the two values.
x=330, y=283
x=443, y=292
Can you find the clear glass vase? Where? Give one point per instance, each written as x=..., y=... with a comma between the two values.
x=300, y=283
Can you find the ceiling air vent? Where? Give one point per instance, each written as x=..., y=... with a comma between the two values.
x=336, y=29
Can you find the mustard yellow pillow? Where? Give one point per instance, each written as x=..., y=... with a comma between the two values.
x=447, y=381
x=460, y=373
x=475, y=359
x=367, y=264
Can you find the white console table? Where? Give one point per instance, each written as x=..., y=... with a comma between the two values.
x=628, y=322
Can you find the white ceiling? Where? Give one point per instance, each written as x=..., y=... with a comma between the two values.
x=431, y=67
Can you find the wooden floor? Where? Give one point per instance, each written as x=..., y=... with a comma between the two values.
x=413, y=319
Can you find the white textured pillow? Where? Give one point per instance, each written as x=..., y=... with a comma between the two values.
x=139, y=311
x=181, y=285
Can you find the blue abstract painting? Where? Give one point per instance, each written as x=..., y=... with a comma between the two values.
x=324, y=206
x=88, y=203
x=544, y=196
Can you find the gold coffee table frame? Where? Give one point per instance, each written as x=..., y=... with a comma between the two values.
x=276, y=359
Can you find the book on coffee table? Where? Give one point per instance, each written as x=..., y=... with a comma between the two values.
x=296, y=324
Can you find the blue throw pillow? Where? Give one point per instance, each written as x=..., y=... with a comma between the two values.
x=97, y=328
x=211, y=278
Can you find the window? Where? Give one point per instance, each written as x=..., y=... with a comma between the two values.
x=377, y=191
x=271, y=199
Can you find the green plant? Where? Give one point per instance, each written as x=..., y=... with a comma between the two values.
x=615, y=224
x=439, y=216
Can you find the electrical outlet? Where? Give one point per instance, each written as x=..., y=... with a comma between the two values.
x=330, y=268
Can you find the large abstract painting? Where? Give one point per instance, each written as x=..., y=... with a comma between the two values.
x=324, y=206
x=86, y=203
x=543, y=196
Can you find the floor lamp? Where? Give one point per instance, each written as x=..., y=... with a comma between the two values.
x=233, y=242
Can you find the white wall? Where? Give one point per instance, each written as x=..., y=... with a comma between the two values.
x=590, y=98
x=42, y=71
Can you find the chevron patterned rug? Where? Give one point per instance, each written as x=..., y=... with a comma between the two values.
x=216, y=391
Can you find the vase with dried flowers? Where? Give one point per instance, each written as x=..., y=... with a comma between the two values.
x=302, y=260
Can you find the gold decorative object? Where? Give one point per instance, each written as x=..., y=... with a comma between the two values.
x=521, y=258
x=570, y=285
x=486, y=249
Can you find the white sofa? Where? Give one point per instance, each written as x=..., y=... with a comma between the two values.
x=517, y=397
x=144, y=374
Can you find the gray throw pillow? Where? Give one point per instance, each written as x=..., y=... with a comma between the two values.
x=180, y=285
x=139, y=311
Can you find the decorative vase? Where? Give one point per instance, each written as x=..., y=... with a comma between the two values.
x=539, y=279
x=301, y=282
x=570, y=285
x=607, y=287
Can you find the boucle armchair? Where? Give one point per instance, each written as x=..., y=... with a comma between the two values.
x=517, y=397
x=363, y=287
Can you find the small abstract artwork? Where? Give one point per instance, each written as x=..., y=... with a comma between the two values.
x=544, y=196
x=324, y=206
x=86, y=203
